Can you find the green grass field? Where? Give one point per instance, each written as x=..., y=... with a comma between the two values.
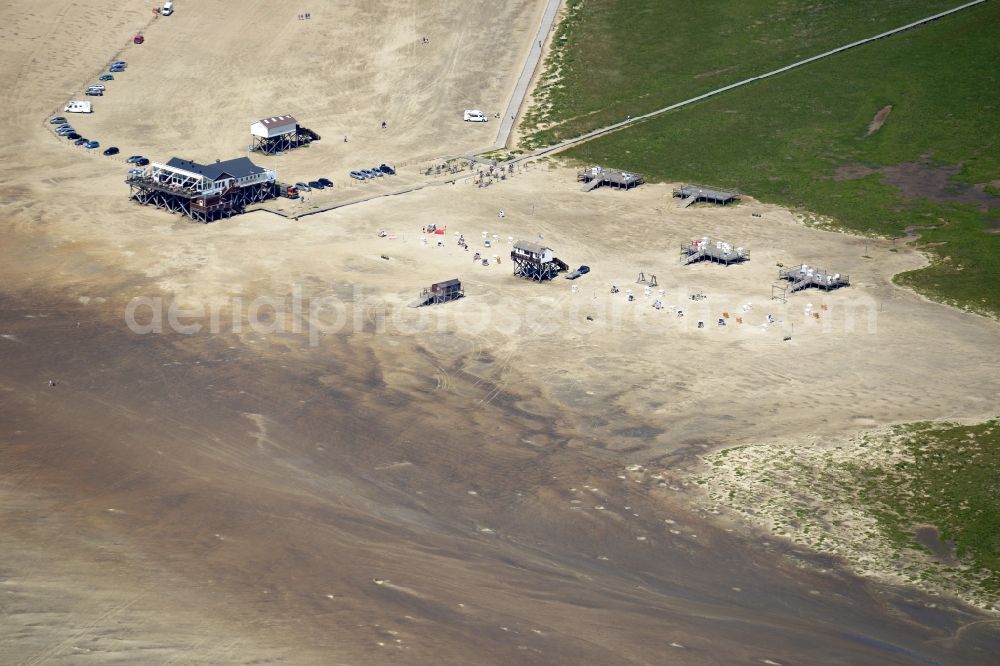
x=615, y=58
x=783, y=140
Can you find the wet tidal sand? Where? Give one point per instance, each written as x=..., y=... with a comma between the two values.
x=174, y=498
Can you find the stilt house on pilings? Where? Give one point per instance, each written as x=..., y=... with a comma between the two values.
x=203, y=192
x=535, y=262
x=279, y=133
x=440, y=292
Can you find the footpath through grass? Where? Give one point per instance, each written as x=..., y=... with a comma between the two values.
x=800, y=139
x=615, y=58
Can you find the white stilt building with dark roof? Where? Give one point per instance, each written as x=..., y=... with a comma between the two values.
x=279, y=133
x=203, y=192
x=535, y=262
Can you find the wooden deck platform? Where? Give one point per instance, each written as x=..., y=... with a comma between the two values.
x=805, y=276
x=691, y=194
x=596, y=176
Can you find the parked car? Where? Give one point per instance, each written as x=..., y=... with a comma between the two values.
x=387, y=170
x=474, y=116
x=168, y=8
x=106, y=77
x=63, y=131
x=133, y=159
x=91, y=92
x=316, y=185
x=120, y=63
x=72, y=136
x=81, y=141
x=371, y=173
x=90, y=145
x=325, y=182
x=302, y=186
x=582, y=270
x=96, y=86
x=357, y=175
x=116, y=69
x=111, y=151
x=57, y=120
x=142, y=161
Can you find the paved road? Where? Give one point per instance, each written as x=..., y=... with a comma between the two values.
x=521, y=89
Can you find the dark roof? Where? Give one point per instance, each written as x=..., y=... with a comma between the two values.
x=240, y=167
x=438, y=286
x=528, y=246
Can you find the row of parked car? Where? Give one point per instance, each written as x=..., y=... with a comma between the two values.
x=360, y=174
x=318, y=184
x=97, y=89
x=66, y=131
x=374, y=172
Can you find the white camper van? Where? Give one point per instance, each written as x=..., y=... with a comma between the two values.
x=168, y=8
x=474, y=116
x=79, y=107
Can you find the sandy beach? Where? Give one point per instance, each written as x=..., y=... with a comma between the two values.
x=296, y=467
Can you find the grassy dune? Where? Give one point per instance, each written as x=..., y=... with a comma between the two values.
x=793, y=138
x=918, y=503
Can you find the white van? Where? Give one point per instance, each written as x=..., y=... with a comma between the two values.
x=474, y=116
x=168, y=8
x=79, y=107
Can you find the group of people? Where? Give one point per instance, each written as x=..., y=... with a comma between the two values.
x=303, y=17
x=484, y=177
